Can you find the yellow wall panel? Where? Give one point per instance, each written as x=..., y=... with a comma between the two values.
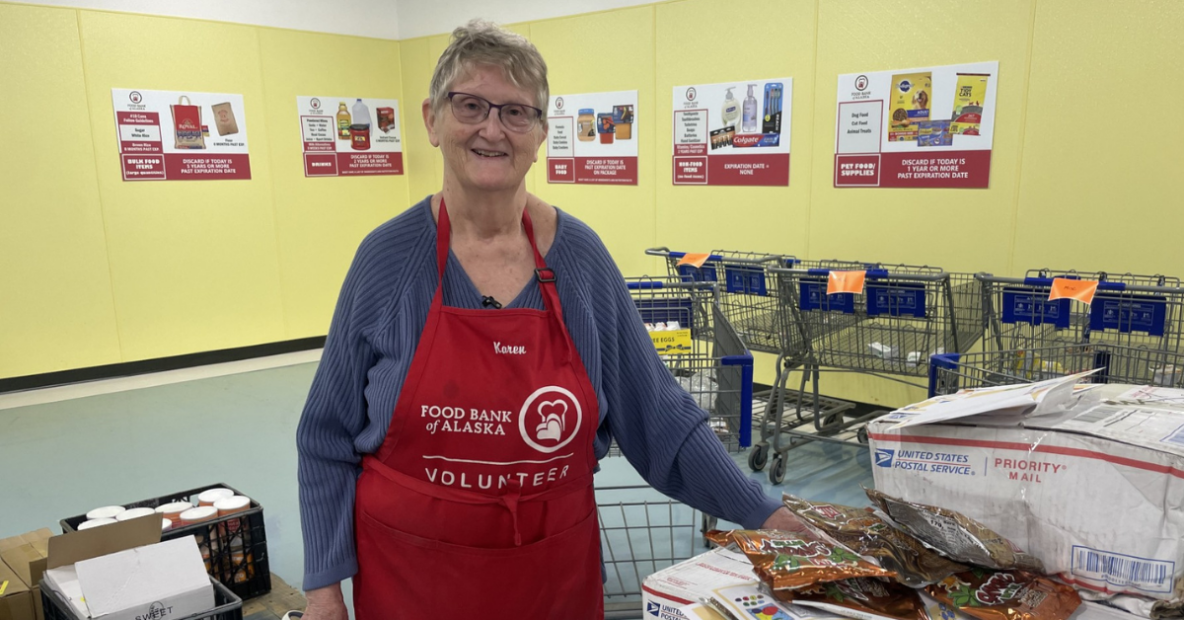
x=194, y=264
x=958, y=230
x=775, y=40
x=1099, y=192
x=418, y=154
x=603, y=52
x=56, y=310
x=321, y=221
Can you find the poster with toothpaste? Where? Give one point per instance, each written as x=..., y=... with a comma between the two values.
x=350, y=136
x=592, y=138
x=733, y=133
x=167, y=135
x=922, y=127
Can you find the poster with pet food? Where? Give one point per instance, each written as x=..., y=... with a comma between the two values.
x=350, y=136
x=592, y=138
x=733, y=133
x=924, y=127
x=169, y=135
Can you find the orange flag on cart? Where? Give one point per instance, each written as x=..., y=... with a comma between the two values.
x=1067, y=288
x=845, y=282
x=694, y=260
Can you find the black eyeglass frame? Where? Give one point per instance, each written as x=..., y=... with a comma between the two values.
x=499, y=106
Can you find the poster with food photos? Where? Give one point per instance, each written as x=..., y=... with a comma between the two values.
x=592, y=138
x=169, y=135
x=733, y=133
x=350, y=136
x=921, y=127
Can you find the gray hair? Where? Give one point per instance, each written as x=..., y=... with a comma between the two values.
x=482, y=43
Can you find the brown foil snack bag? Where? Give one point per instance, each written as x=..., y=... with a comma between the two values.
x=955, y=535
x=790, y=560
x=868, y=596
x=1006, y=595
x=868, y=535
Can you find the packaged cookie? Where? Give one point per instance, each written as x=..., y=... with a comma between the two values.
x=1006, y=595
x=955, y=535
x=865, y=533
x=867, y=599
x=791, y=560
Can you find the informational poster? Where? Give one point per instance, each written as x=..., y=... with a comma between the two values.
x=169, y=135
x=350, y=136
x=734, y=133
x=926, y=127
x=592, y=138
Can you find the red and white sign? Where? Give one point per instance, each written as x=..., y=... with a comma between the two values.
x=734, y=133
x=181, y=136
x=350, y=136
x=592, y=138
x=926, y=127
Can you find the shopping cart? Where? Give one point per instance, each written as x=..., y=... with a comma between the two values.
x=705, y=354
x=642, y=532
x=746, y=295
x=950, y=372
x=1143, y=312
x=905, y=314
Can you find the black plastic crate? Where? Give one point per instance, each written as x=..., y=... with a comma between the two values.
x=247, y=572
x=227, y=606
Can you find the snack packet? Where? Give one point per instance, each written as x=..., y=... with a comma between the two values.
x=1006, y=595
x=791, y=560
x=955, y=535
x=868, y=535
x=866, y=599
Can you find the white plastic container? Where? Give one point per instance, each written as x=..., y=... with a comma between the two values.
x=134, y=513
x=207, y=498
x=86, y=525
x=198, y=515
x=105, y=512
x=361, y=114
x=173, y=511
x=230, y=505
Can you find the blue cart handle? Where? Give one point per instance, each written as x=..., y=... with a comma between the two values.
x=745, y=364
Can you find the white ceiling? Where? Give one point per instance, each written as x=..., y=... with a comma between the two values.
x=384, y=19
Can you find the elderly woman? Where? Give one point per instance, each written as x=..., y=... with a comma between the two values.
x=483, y=354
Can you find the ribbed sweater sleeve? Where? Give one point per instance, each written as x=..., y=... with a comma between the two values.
x=661, y=430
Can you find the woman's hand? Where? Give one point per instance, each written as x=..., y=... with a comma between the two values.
x=783, y=519
x=326, y=604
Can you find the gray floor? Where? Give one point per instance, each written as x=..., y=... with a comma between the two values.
x=62, y=459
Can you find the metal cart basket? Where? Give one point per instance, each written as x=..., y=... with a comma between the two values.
x=642, y=532
x=713, y=364
x=1142, y=312
x=951, y=372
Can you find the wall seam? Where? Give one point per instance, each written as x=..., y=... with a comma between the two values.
x=98, y=190
x=654, y=143
x=1023, y=125
x=813, y=120
x=275, y=224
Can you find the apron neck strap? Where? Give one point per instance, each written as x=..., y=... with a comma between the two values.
x=544, y=274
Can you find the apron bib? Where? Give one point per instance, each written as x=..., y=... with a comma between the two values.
x=479, y=502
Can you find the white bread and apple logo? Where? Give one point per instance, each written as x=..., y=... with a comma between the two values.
x=550, y=419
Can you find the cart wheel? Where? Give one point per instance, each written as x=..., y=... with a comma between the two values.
x=777, y=469
x=758, y=456
x=861, y=435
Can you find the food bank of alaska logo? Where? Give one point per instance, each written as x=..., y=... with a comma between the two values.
x=549, y=419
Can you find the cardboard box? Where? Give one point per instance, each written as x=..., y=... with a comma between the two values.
x=672, y=593
x=161, y=581
x=25, y=555
x=16, y=600
x=68, y=549
x=1094, y=488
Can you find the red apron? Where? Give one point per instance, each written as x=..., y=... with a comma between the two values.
x=479, y=503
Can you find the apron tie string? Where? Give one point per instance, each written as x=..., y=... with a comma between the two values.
x=509, y=499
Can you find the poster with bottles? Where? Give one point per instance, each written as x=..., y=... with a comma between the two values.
x=350, y=136
x=922, y=127
x=169, y=135
x=592, y=138
x=733, y=133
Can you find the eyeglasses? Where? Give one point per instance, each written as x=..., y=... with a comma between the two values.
x=471, y=109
